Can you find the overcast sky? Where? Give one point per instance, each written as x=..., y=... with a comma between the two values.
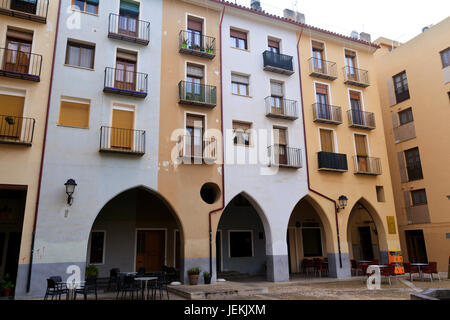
x=398, y=20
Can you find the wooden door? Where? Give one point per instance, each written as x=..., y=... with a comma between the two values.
x=128, y=24
x=11, y=112
x=281, y=147
x=362, y=153
x=326, y=140
x=150, y=250
x=323, y=108
x=415, y=242
x=17, y=57
x=125, y=75
x=122, y=129
x=318, y=63
x=350, y=65
x=355, y=106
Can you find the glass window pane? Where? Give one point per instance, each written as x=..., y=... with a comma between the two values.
x=312, y=242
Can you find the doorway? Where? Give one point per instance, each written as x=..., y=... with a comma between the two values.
x=365, y=240
x=415, y=243
x=150, y=253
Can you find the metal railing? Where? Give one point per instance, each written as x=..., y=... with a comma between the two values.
x=278, y=61
x=196, y=42
x=122, y=140
x=356, y=76
x=190, y=147
x=20, y=64
x=283, y=108
x=283, y=156
x=322, y=68
x=326, y=113
x=37, y=11
x=16, y=130
x=332, y=161
x=197, y=93
x=367, y=165
x=129, y=29
x=128, y=82
x=414, y=173
x=361, y=119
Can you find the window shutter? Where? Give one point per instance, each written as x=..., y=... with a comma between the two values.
x=355, y=95
x=194, y=121
x=317, y=45
x=280, y=136
x=401, y=165
x=241, y=126
x=361, y=145
x=350, y=54
x=238, y=34
x=274, y=44
x=74, y=114
x=276, y=89
x=195, y=71
x=321, y=89
x=195, y=25
x=326, y=139
x=25, y=36
x=239, y=79
x=127, y=56
x=125, y=7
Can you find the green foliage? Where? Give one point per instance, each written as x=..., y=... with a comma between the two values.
x=194, y=271
x=6, y=283
x=91, y=271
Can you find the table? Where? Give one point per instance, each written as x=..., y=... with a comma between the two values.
x=145, y=280
x=420, y=271
x=365, y=261
x=131, y=273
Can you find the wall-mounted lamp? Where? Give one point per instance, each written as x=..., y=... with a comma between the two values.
x=342, y=203
x=70, y=188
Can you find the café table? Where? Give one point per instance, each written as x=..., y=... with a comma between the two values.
x=418, y=265
x=144, y=281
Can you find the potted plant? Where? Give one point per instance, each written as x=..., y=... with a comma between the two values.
x=193, y=274
x=202, y=49
x=184, y=43
x=91, y=271
x=6, y=286
x=207, y=277
x=209, y=48
x=9, y=120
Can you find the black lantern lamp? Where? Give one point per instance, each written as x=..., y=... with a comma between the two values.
x=342, y=203
x=70, y=188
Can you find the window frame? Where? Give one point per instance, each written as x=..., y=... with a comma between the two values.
x=402, y=93
x=236, y=39
x=85, y=102
x=445, y=52
x=411, y=119
x=414, y=204
x=408, y=154
x=239, y=136
x=252, y=241
x=303, y=242
x=103, y=248
x=79, y=45
x=84, y=9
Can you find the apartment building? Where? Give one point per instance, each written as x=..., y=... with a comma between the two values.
x=414, y=82
x=27, y=37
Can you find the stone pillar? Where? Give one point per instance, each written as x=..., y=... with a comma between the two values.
x=335, y=270
x=277, y=268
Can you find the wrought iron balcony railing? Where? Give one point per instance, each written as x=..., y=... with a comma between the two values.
x=322, y=69
x=283, y=156
x=118, y=140
x=128, y=29
x=356, y=77
x=279, y=63
x=329, y=161
x=126, y=83
x=367, y=165
x=20, y=65
x=34, y=10
x=197, y=94
x=16, y=130
x=325, y=113
x=194, y=149
x=196, y=44
x=361, y=119
x=281, y=108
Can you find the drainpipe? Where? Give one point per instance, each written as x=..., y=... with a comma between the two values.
x=223, y=151
x=33, y=236
x=306, y=155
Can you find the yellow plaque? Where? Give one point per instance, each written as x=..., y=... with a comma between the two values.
x=391, y=224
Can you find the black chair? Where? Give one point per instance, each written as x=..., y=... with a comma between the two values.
x=113, y=278
x=90, y=286
x=127, y=285
x=159, y=285
x=55, y=288
x=141, y=272
x=171, y=274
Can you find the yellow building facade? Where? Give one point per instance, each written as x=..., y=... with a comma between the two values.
x=414, y=83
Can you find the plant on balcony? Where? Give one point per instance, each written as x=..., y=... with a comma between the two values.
x=209, y=48
x=184, y=43
x=6, y=286
x=193, y=274
x=9, y=120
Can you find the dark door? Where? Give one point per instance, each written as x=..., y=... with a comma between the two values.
x=150, y=250
x=12, y=255
x=415, y=243
x=365, y=241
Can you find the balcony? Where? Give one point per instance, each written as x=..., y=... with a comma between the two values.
x=279, y=63
x=197, y=94
x=332, y=162
x=405, y=132
x=325, y=113
x=197, y=150
x=128, y=29
x=16, y=130
x=361, y=119
x=367, y=165
x=125, y=141
x=196, y=44
x=125, y=83
x=20, y=65
x=356, y=77
x=25, y=9
x=282, y=109
x=284, y=157
x=322, y=69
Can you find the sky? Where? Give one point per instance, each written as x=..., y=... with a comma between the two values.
x=399, y=20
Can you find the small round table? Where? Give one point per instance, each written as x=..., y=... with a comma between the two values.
x=420, y=271
x=145, y=280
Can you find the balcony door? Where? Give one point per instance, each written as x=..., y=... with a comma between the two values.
x=11, y=113
x=18, y=53
x=356, y=108
x=125, y=78
x=194, y=83
x=350, y=65
x=362, y=153
x=128, y=19
x=276, y=99
x=194, y=33
x=327, y=140
x=274, y=46
x=318, y=57
x=323, y=107
x=280, y=151
x=193, y=145
x=28, y=6
x=122, y=130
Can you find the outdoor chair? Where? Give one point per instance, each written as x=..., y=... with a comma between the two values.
x=141, y=272
x=354, y=266
x=413, y=270
x=388, y=272
x=90, y=286
x=171, y=274
x=317, y=263
x=159, y=285
x=127, y=286
x=363, y=267
x=375, y=261
x=55, y=288
x=113, y=278
x=431, y=269
x=307, y=265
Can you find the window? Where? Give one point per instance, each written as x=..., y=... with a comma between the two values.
x=125, y=75
x=445, y=57
x=97, y=247
x=413, y=164
x=327, y=140
x=90, y=6
x=80, y=55
x=312, y=242
x=276, y=97
x=238, y=39
x=194, y=140
x=74, y=113
x=405, y=116
x=380, y=194
x=194, y=32
x=274, y=46
x=241, y=244
x=318, y=56
x=280, y=151
x=241, y=133
x=239, y=84
x=18, y=49
x=419, y=197
x=362, y=153
x=128, y=18
x=194, y=79
x=322, y=106
x=350, y=64
x=401, y=87
x=11, y=107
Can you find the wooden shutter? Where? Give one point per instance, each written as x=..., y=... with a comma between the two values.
x=280, y=136
x=274, y=44
x=350, y=54
x=361, y=145
x=317, y=45
x=326, y=140
x=74, y=114
x=24, y=36
x=321, y=89
x=355, y=95
x=239, y=79
x=126, y=56
x=195, y=25
x=194, y=71
x=238, y=34
x=194, y=121
x=276, y=89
